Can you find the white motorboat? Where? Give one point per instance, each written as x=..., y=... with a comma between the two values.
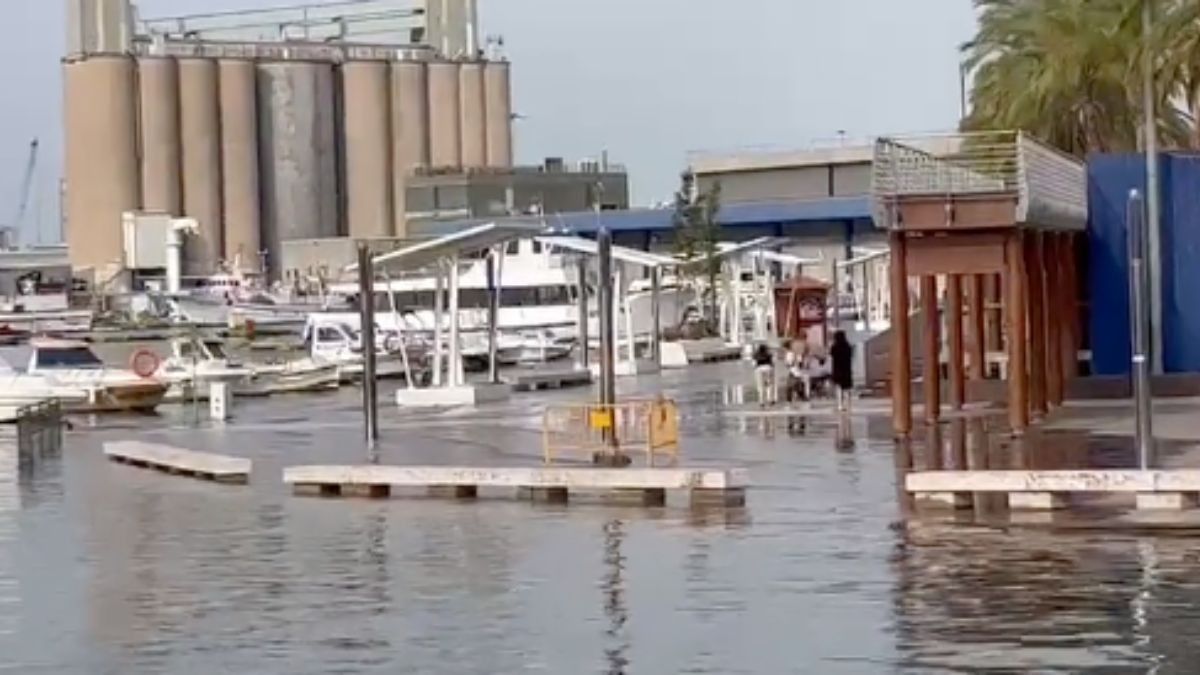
x=195, y=363
x=70, y=372
x=332, y=341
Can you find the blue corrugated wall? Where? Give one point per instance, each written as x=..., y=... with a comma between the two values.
x=1110, y=178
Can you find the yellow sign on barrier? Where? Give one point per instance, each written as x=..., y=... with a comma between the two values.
x=583, y=429
x=601, y=418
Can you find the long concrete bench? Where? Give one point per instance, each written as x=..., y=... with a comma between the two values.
x=1155, y=489
x=720, y=487
x=177, y=461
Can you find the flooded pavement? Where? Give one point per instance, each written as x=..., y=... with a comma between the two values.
x=109, y=569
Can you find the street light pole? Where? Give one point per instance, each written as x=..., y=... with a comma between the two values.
x=1153, y=209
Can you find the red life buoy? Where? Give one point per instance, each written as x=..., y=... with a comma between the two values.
x=144, y=363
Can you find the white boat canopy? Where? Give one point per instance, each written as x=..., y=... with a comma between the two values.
x=470, y=240
x=620, y=253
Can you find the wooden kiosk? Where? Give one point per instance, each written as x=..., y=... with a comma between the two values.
x=977, y=215
x=801, y=304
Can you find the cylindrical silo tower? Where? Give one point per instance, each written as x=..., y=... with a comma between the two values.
x=101, y=159
x=200, y=133
x=298, y=154
x=239, y=163
x=472, y=121
x=158, y=98
x=445, y=116
x=366, y=127
x=498, y=107
x=410, y=132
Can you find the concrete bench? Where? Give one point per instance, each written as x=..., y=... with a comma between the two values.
x=177, y=461
x=648, y=486
x=1167, y=489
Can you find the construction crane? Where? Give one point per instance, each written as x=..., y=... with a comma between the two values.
x=17, y=224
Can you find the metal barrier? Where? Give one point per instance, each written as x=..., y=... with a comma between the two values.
x=39, y=429
x=585, y=429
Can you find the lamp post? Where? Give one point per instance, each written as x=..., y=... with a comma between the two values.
x=1153, y=209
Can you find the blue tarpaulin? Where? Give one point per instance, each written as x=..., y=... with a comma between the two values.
x=1110, y=179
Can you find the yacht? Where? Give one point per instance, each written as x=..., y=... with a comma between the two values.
x=69, y=371
x=538, y=313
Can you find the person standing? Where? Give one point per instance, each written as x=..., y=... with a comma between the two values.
x=842, y=355
x=796, y=359
x=764, y=375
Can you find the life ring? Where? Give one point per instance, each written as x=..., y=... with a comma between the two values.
x=144, y=363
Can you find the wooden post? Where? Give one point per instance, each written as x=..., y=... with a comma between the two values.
x=1035, y=273
x=1053, y=319
x=994, y=312
x=901, y=349
x=954, y=330
x=1014, y=287
x=931, y=355
x=976, y=324
x=1071, y=325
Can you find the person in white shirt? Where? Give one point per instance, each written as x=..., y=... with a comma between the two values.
x=798, y=380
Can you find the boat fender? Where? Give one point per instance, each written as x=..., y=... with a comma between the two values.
x=144, y=363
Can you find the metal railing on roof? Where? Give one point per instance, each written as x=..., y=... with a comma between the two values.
x=1050, y=187
x=370, y=21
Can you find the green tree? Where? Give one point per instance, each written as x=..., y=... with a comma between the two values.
x=697, y=233
x=1069, y=71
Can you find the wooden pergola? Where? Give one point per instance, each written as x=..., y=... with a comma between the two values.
x=991, y=220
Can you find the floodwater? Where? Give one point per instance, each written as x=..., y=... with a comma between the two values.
x=110, y=569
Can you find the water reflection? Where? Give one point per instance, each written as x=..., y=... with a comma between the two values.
x=991, y=600
x=615, y=609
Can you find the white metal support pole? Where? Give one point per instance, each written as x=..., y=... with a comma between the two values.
x=456, y=378
x=735, y=317
x=656, y=314
x=630, y=338
x=438, y=312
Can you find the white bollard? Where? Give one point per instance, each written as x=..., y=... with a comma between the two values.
x=220, y=401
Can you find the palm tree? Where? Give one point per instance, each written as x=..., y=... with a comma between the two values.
x=1068, y=71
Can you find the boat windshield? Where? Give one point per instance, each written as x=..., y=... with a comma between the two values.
x=71, y=357
x=215, y=350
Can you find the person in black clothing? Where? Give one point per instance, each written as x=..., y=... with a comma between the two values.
x=842, y=354
x=764, y=375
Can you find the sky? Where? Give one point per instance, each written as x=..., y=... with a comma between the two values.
x=647, y=80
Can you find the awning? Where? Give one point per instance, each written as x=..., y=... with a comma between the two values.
x=620, y=253
x=471, y=240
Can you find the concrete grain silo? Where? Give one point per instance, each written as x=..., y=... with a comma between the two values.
x=200, y=134
x=239, y=162
x=310, y=130
x=472, y=119
x=366, y=127
x=410, y=131
x=101, y=163
x=158, y=106
x=297, y=152
x=498, y=109
x=445, y=116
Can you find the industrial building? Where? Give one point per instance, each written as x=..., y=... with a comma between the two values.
x=265, y=126
x=553, y=187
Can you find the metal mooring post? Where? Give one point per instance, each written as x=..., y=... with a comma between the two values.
x=1139, y=326
x=608, y=374
x=366, y=308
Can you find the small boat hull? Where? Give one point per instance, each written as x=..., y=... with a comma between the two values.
x=140, y=397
